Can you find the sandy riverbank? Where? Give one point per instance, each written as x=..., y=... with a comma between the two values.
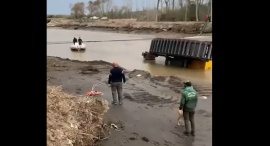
x=148, y=114
x=133, y=26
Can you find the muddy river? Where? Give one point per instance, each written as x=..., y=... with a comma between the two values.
x=126, y=53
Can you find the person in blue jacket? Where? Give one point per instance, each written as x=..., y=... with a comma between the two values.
x=116, y=80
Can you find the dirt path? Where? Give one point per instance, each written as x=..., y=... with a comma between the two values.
x=148, y=116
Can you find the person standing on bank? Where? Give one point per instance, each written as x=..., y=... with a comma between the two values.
x=116, y=79
x=188, y=104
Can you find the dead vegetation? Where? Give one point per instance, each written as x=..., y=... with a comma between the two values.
x=74, y=121
x=178, y=27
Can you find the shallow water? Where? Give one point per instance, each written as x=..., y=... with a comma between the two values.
x=126, y=53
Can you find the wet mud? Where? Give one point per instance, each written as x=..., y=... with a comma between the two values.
x=148, y=115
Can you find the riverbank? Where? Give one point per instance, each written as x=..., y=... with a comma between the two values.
x=148, y=115
x=132, y=26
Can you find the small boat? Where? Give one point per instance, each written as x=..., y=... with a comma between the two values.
x=78, y=47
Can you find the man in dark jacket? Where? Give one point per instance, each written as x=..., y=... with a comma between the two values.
x=116, y=79
x=80, y=41
x=188, y=104
x=74, y=40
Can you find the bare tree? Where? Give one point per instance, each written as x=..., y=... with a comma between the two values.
x=99, y=6
x=187, y=6
x=211, y=10
x=197, y=10
x=114, y=11
x=159, y=13
x=167, y=4
x=161, y=5
x=78, y=9
x=201, y=1
x=158, y=2
x=129, y=5
x=181, y=3
x=92, y=8
x=108, y=6
x=104, y=5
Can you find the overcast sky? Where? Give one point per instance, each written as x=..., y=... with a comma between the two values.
x=62, y=6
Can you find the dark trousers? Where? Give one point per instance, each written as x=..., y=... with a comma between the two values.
x=189, y=117
x=117, y=88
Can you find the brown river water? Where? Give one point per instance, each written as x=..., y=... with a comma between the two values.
x=126, y=53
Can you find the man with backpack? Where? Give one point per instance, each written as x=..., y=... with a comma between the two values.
x=188, y=104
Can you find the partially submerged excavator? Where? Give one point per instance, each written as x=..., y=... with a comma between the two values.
x=190, y=52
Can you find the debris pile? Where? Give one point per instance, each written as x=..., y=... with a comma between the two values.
x=74, y=121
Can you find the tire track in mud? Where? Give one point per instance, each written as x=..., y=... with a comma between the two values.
x=138, y=88
x=176, y=85
x=172, y=82
x=140, y=95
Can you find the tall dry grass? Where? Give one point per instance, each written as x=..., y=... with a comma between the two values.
x=74, y=121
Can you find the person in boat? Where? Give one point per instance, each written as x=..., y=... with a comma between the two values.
x=80, y=41
x=74, y=40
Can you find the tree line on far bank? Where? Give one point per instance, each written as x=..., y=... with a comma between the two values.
x=165, y=10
